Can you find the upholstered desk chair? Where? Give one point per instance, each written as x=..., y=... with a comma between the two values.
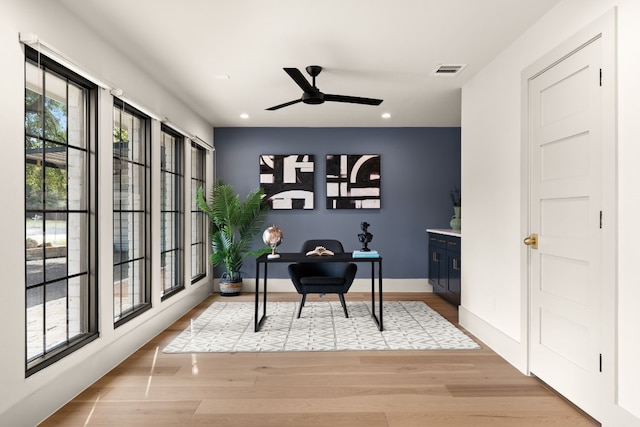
x=322, y=277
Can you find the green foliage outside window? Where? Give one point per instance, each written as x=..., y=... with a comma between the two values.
x=40, y=170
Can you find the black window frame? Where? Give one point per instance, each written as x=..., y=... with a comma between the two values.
x=90, y=313
x=178, y=225
x=199, y=180
x=145, y=212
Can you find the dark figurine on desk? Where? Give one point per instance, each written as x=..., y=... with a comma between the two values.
x=365, y=237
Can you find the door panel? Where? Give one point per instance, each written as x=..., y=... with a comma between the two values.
x=566, y=182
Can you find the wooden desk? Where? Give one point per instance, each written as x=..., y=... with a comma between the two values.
x=293, y=257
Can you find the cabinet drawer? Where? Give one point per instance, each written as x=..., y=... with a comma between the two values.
x=438, y=240
x=453, y=244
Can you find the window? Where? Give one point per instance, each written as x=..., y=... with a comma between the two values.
x=131, y=279
x=60, y=196
x=171, y=175
x=198, y=217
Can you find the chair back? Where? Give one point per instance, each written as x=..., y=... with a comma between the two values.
x=323, y=268
x=331, y=244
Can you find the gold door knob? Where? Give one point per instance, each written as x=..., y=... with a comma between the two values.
x=532, y=241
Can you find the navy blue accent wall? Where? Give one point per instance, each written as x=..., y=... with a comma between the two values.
x=419, y=167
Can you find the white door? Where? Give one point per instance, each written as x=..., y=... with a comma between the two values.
x=565, y=212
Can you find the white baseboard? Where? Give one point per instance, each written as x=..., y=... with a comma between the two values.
x=506, y=347
x=359, y=285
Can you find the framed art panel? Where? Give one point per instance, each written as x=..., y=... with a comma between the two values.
x=288, y=180
x=353, y=181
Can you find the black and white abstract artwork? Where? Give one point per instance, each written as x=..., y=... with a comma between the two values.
x=353, y=181
x=288, y=180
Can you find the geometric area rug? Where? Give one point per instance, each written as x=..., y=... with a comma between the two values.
x=227, y=327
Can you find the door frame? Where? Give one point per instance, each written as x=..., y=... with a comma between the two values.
x=605, y=29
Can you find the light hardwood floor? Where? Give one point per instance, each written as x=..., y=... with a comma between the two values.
x=359, y=388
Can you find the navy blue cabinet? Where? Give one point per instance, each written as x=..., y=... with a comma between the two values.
x=444, y=266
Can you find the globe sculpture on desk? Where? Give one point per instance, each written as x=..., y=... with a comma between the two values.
x=272, y=237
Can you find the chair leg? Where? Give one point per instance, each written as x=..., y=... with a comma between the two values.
x=302, y=300
x=344, y=305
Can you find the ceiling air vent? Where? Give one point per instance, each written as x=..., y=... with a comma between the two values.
x=448, y=70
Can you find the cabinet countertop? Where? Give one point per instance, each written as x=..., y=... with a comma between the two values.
x=447, y=232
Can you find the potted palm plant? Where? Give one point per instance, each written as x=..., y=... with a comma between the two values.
x=233, y=223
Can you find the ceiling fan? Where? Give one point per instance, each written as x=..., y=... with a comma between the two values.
x=312, y=95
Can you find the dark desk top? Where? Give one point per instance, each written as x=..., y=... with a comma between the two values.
x=300, y=257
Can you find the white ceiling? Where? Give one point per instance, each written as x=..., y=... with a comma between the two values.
x=370, y=48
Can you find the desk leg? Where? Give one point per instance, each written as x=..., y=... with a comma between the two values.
x=264, y=294
x=258, y=321
x=377, y=318
x=373, y=295
x=381, y=327
x=255, y=315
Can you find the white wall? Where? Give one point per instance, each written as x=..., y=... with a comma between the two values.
x=493, y=298
x=25, y=402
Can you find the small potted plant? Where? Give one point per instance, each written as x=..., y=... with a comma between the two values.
x=456, y=199
x=233, y=225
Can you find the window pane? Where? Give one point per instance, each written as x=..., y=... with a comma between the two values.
x=55, y=176
x=77, y=117
x=167, y=233
x=137, y=187
x=117, y=186
x=35, y=262
x=35, y=322
x=167, y=273
x=194, y=192
x=136, y=231
x=129, y=136
x=167, y=195
x=55, y=242
x=128, y=287
x=34, y=232
x=76, y=243
x=77, y=171
x=137, y=282
x=55, y=314
x=33, y=102
x=119, y=136
x=122, y=133
x=33, y=189
x=119, y=281
x=117, y=237
x=55, y=111
x=128, y=187
x=120, y=237
x=137, y=138
x=195, y=227
x=78, y=296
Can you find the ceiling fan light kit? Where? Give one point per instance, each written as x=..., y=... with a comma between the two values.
x=312, y=95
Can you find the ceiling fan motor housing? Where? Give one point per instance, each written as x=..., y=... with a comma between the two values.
x=313, y=98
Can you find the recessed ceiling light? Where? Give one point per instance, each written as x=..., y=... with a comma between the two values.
x=386, y=115
x=244, y=116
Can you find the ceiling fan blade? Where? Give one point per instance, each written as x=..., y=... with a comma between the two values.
x=286, y=104
x=352, y=99
x=297, y=77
